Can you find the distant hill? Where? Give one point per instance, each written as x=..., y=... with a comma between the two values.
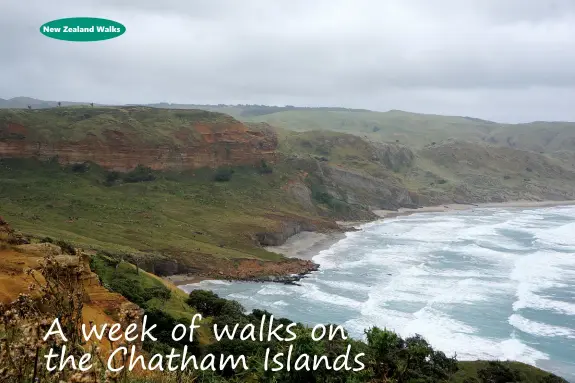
x=24, y=102
x=413, y=129
x=121, y=138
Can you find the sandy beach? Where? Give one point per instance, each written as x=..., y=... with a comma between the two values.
x=185, y=279
x=306, y=245
x=455, y=207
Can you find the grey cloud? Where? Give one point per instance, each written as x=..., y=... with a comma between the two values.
x=508, y=60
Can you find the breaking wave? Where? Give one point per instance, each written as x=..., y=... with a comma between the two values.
x=485, y=283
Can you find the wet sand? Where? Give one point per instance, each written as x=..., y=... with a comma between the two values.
x=185, y=279
x=306, y=245
x=456, y=207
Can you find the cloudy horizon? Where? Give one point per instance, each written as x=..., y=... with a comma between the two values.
x=511, y=61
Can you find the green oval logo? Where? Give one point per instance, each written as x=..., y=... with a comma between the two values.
x=82, y=29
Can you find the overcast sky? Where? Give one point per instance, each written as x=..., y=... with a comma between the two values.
x=504, y=60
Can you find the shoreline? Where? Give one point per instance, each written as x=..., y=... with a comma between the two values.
x=307, y=244
x=462, y=207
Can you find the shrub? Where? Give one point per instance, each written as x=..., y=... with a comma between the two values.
x=160, y=292
x=139, y=174
x=111, y=178
x=163, y=332
x=497, y=372
x=223, y=174
x=80, y=167
x=265, y=168
x=66, y=247
x=206, y=302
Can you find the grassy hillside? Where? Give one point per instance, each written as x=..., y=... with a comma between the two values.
x=407, y=128
x=138, y=124
x=414, y=129
x=420, y=129
x=175, y=211
x=140, y=287
x=321, y=174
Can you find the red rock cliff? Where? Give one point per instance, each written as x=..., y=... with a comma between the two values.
x=123, y=143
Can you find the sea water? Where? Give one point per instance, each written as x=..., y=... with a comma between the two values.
x=481, y=284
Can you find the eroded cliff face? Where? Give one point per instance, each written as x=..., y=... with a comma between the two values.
x=123, y=146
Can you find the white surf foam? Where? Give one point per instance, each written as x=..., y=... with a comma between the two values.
x=562, y=237
x=539, y=271
x=314, y=294
x=540, y=329
x=280, y=303
x=344, y=285
x=417, y=272
x=449, y=335
x=270, y=289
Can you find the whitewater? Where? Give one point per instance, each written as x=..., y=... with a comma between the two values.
x=481, y=284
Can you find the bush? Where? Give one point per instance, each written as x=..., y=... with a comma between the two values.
x=223, y=174
x=497, y=372
x=265, y=168
x=206, y=302
x=80, y=167
x=139, y=174
x=553, y=379
x=163, y=332
x=66, y=247
x=111, y=178
x=160, y=292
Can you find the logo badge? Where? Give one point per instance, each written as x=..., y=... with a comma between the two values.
x=82, y=29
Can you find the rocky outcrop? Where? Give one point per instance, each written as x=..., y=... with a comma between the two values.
x=9, y=235
x=483, y=173
x=286, y=230
x=124, y=143
x=358, y=188
x=393, y=156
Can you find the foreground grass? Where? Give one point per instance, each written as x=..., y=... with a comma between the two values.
x=145, y=289
x=468, y=371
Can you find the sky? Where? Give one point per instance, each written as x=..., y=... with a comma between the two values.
x=501, y=60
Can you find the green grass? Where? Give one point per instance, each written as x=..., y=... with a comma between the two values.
x=529, y=373
x=407, y=128
x=144, y=124
x=177, y=211
x=136, y=285
x=175, y=305
x=414, y=129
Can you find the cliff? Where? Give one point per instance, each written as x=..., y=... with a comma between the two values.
x=16, y=256
x=122, y=138
x=465, y=172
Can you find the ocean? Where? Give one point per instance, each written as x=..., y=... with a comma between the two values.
x=495, y=283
